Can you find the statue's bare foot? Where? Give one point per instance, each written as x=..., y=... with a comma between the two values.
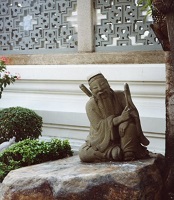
x=129, y=156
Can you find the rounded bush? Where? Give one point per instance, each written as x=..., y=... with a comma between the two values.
x=19, y=122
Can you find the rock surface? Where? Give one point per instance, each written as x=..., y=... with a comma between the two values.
x=7, y=144
x=70, y=179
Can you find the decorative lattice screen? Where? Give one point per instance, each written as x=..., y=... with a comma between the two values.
x=37, y=25
x=122, y=25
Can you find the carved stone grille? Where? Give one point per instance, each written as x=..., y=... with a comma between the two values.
x=123, y=26
x=37, y=25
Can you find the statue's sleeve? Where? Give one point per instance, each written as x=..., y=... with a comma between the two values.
x=101, y=130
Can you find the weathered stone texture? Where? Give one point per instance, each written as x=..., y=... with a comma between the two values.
x=70, y=179
x=134, y=57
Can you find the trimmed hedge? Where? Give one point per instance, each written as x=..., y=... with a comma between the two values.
x=21, y=123
x=29, y=152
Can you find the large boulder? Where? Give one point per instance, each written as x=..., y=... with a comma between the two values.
x=71, y=179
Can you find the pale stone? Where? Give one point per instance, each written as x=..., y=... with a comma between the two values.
x=7, y=144
x=134, y=57
x=85, y=22
x=70, y=179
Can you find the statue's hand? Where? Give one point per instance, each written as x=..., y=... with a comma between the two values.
x=122, y=128
x=125, y=115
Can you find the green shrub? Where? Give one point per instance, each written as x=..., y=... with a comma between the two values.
x=20, y=122
x=29, y=152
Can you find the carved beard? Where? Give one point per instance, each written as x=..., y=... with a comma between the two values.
x=105, y=104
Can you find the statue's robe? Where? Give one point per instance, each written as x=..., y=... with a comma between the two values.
x=104, y=136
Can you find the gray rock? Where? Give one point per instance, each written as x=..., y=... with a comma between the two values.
x=6, y=145
x=71, y=179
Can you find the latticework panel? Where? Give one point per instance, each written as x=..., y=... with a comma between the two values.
x=37, y=25
x=122, y=25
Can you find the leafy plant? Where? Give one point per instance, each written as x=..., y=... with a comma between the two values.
x=29, y=152
x=19, y=122
x=146, y=6
x=6, y=78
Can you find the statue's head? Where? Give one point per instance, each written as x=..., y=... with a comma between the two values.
x=99, y=86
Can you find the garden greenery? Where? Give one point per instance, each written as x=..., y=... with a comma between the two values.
x=19, y=122
x=29, y=152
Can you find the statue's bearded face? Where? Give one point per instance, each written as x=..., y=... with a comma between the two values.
x=100, y=88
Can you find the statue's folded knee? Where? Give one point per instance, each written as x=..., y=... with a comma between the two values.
x=127, y=128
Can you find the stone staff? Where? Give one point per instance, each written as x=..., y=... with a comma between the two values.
x=85, y=90
x=130, y=106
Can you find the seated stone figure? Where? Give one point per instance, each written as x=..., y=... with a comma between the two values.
x=115, y=129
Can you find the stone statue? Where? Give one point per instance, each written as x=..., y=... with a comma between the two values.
x=115, y=129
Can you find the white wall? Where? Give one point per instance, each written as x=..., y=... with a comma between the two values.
x=53, y=92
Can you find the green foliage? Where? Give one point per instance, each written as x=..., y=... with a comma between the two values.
x=29, y=152
x=146, y=6
x=19, y=122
